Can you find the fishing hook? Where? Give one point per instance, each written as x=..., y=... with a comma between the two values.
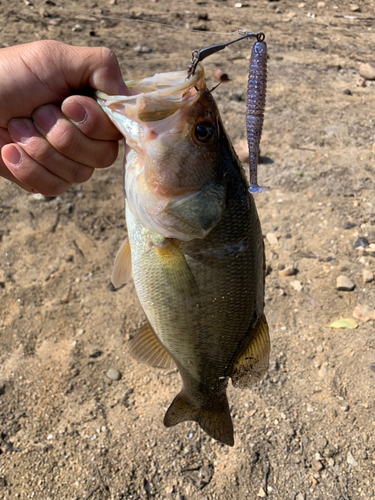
x=198, y=55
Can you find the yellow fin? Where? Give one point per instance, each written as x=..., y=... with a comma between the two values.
x=252, y=364
x=175, y=268
x=146, y=348
x=215, y=420
x=122, y=270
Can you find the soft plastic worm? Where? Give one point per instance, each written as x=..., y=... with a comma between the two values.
x=256, y=100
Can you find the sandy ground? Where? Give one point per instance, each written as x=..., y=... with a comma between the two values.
x=306, y=431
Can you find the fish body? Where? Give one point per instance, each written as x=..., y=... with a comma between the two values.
x=194, y=248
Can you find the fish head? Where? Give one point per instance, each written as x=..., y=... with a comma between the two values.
x=173, y=130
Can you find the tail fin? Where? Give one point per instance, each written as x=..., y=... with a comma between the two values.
x=215, y=420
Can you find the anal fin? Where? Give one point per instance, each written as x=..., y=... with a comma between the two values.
x=146, y=348
x=215, y=419
x=122, y=270
x=252, y=364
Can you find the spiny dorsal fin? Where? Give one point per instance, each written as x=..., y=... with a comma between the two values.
x=215, y=420
x=146, y=348
x=122, y=270
x=252, y=364
x=175, y=268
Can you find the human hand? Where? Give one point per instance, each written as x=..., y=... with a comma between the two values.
x=50, y=138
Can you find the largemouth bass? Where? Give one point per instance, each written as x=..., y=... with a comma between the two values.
x=194, y=246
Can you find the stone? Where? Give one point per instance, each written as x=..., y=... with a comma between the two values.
x=367, y=70
x=355, y=8
x=344, y=284
x=361, y=242
x=316, y=465
x=113, y=374
x=364, y=313
x=261, y=493
x=288, y=271
x=360, y=82
x=320, y=5
x=296, y=285
x=367, y=276
x=351, y=460
x=272, y=238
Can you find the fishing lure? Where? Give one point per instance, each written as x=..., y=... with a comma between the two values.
x=255, y=104
x=256, y=95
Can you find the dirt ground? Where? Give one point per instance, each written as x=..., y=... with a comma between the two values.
x=67, y=431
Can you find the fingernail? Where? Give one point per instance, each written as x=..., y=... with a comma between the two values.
x=12, y=155
x=20, y=131
x=122, y=88
x=44, y=117
x=74, y=111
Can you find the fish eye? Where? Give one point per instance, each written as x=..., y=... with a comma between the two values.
x=204, y=131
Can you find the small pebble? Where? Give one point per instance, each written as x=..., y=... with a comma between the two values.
x=347, y=92
x=344, y=284
x=361, y=242
x=372, y=367
x=300, y=496
x=142, y=49
x=321, y=5
x=367, y=70
x=296, y=285
x=113, y=374
x=349, y=225
x=288, y=271
x=367, y=276
x=364, y=313
x=360, y=82
x=261, y=493
x=350, y=459
x=316, y=465
x=355, y=8
x=272, y=238
x=345, y=408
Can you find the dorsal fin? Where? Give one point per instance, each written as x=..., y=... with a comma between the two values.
x=146, y=348
x=122, y=269
x=252, y=364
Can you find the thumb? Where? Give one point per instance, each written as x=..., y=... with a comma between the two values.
x=96, y=67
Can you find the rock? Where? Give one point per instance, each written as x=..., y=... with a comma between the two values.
x=350, y=459
x=296, y=285
x=261, y=493
x=367, y=70
x=367, y=276
x=372, y=367
x=361, y=242
x=316, y=465
x=355, y=8
x=300, y=496
x=349, y=225
x=288, y=271
x=347, y=92
x=360, y=82
x=364, y=313
x=272, y=238
x=142, y=49
x=344, y=284
x=113, y=374
x=320, y=5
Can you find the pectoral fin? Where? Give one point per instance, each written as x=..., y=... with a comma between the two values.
x=146, y=348
x=122, y=270
x=175, y=268
x=252, y=364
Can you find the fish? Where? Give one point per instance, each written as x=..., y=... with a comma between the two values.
x=194, y=247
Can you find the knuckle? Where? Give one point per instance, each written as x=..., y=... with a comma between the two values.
x=108, y=154
x=81, y=173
